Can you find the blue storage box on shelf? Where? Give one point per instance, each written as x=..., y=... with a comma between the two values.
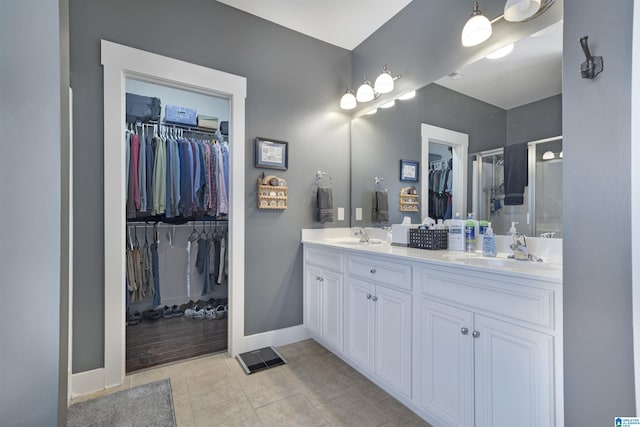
x=181, y=115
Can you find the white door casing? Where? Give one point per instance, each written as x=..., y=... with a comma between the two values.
x=119, y=63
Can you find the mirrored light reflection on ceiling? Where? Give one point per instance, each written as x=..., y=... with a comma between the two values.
x=348, y=28
x=531, y=72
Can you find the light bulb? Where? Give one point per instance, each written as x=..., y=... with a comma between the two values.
x=384, y=82
x=520, y=10
x=477, y=29
x=348, y=100
x=365, y=92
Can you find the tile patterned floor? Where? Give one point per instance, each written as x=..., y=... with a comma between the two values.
x=314, y=388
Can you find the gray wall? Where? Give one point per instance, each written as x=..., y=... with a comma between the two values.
x=30, y=212
x=537, y=120
x=598, y=365
x=293, y=87
x=381, y=140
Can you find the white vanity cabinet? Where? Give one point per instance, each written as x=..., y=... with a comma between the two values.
x=323, y=296
x=485, y=350
x=378, y=319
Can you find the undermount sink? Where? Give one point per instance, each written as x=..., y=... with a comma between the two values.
x=355, y=241
x=504, y=262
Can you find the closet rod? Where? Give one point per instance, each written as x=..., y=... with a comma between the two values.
x=185, y=128
x=168, y=224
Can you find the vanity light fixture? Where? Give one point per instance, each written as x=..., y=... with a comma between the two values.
x=389, y=104
x=372, y=112
x=408, y=95
x=348, y=100
x=501, y=53
x=384, y=83
x=365, y=92
x=477, y=29
x=548, y=155
x=560, y=154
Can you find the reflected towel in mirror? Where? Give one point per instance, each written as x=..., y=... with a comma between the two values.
x=380, y=207
x=325, y=204
x=515, y=173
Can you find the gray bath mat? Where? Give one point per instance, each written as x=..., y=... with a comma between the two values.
x=145, y=405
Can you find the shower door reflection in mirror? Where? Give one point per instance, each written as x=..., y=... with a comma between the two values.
x=541, y=213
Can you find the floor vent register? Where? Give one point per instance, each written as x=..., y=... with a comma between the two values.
x=258, y=360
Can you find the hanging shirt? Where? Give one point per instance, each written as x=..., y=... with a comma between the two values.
x=134, y=161
x=142, y=172
x=223, y=203
x=159, y=185
x=225, y=160
x=149, y=175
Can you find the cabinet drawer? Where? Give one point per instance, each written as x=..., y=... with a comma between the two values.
x=512, y=299
x=331, y=260
x=384, y=272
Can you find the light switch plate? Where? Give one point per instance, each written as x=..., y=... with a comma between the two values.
x=358, y=214
x=340, y=214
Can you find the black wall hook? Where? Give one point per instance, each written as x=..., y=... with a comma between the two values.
x=593, y=65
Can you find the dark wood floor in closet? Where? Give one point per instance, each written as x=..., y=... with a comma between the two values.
x=155, y=342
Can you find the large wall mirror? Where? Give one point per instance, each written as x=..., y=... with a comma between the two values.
x=496, y=102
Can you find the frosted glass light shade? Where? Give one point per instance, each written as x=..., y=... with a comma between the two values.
x=519, y=10
x=348, y=100
x=548, y=155
x=389, y=104
x=384, y=82
x=476, y=30
x=365, y=92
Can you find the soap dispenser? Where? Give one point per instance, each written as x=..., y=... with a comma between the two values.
x=489, y=243
x=512, y=230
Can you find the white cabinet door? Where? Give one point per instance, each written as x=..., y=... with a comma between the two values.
x=313, y=299
x=393, y=337
x=360, y=316
x=445, y=362
x=514, y=375
x=332, y=309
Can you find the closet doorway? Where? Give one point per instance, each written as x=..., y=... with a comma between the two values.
x=121, y=63
x=177, y=258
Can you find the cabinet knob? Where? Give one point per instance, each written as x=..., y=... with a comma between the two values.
x=475, y=334
x=368, y=296
x=375, y=298
x=464, y=331
x=373, y=271
x=321, y=279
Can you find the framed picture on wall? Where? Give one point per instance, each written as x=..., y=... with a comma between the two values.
x=272, y=154
x=409, y=170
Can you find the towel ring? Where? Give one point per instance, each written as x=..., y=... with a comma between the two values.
x=320, y=175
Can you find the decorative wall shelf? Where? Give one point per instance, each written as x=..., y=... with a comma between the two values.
x=409, y=199
x=272, y=192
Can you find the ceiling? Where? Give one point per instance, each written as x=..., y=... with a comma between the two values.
x=531, y=72
x=338, y=22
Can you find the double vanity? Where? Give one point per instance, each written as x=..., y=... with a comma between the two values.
x=461, y=339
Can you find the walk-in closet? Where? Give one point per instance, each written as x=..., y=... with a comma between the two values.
x=177, y=207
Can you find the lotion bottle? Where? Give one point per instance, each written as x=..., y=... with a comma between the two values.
x=456, y=233
x=489, y=243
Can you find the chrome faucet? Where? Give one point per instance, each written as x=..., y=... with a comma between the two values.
x=364, y=238
x=548, y=235
x=520, y=250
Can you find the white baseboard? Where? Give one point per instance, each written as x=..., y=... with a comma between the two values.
x=87, y=382
x=274, y=338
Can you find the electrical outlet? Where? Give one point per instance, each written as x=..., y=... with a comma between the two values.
x=358, y=214
x=340, y=214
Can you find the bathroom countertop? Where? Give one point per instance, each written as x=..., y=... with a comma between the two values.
x=335, y=238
